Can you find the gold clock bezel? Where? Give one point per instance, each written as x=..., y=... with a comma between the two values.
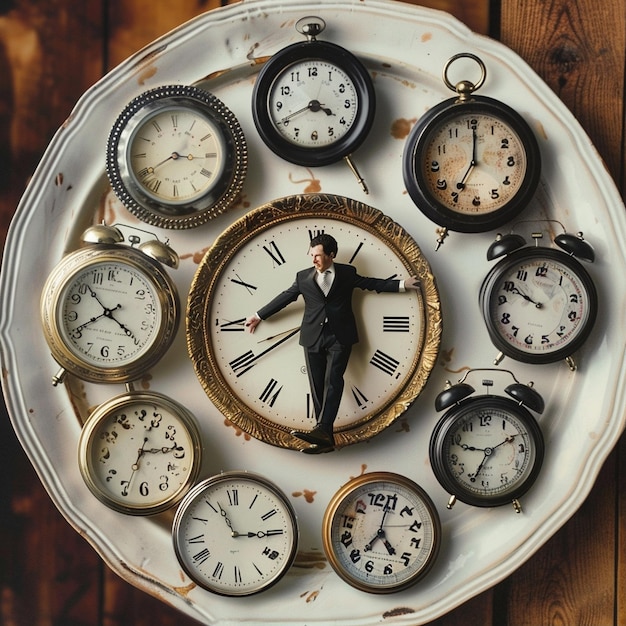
x=65, y=272
x=343, y=494
x=306, y=206
x=116, y=404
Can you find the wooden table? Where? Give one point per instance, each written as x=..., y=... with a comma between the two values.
x=50, y=53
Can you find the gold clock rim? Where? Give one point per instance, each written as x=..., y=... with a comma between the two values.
x=66, y=270
x=103, y=412
x=237, y=235
x=340, y=496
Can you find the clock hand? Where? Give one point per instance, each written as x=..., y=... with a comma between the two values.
x=380, y=534
x=516, y=291
x=233, y=532
x=487, y=453
x=260, y=534
x=85, y=324
x=134, y=467
x=472, y=165
x=152, y=168
x=246, y=362
x=472, y=477
x=313, y=105
x=272, y=337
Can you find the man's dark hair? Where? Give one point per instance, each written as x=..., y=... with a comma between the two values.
x=328, y=242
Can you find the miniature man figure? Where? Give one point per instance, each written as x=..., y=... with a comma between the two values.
x=328, y=329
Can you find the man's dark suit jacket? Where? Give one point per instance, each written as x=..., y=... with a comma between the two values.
x=336, y=307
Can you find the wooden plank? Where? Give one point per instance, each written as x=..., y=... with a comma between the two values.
x=579, y=49
x=49, y=574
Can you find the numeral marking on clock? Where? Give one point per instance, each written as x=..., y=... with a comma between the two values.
x=231, y=325
x=233, y=497
x=359, y=397
x=270, y=393
x=239, y=281
x=275, y=254
x=384, y=362
x=358, y=249
x=269, y=514
x=201, y=556
x=396, y=324
x=315, y=233
x=243, y=363
x=310, y=410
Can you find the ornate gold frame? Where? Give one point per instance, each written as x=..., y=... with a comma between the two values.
x=249, y=226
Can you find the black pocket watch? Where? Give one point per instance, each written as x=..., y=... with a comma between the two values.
x=110, y=311
x=313, y=102
x=471, y=163
x=539, y=303
x=176, y=156
x=487, y=450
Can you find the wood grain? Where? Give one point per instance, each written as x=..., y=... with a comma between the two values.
x=50, y=53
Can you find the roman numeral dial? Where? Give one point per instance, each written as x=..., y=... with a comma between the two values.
x=235, y=534
x=266, y=371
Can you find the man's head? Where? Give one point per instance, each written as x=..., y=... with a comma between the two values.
x=323, y=249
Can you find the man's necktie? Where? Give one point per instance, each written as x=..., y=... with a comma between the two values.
x=326, y=282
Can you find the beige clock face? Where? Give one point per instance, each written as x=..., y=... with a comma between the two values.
x=139, y=453
x=176, y=155
x=474, y=163
x=259, y=380
x=381, y=532
x=109, y=313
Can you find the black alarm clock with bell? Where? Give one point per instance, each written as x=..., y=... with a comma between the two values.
x=539, y=303
x=487, y=450
x=313, y=102
x=471, y=163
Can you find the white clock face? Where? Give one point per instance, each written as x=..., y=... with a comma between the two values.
x=267, y=370
x=539, y=305
x=381, y=532
x=139, y=453
x=176, y=155
x=235, y=534
x=473, y=163
x=488, y=451
x=110, y=313
x=313, y=103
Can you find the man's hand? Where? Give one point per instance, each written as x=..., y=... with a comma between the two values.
x=412, y=282
x=252, y=323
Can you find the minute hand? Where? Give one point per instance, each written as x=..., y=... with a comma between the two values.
x=248, y=360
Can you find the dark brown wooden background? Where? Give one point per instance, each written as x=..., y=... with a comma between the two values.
x=51, y=51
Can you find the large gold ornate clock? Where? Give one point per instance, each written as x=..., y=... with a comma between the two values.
x=259, y=381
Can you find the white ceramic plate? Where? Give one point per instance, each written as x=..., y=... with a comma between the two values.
x=405, y=48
